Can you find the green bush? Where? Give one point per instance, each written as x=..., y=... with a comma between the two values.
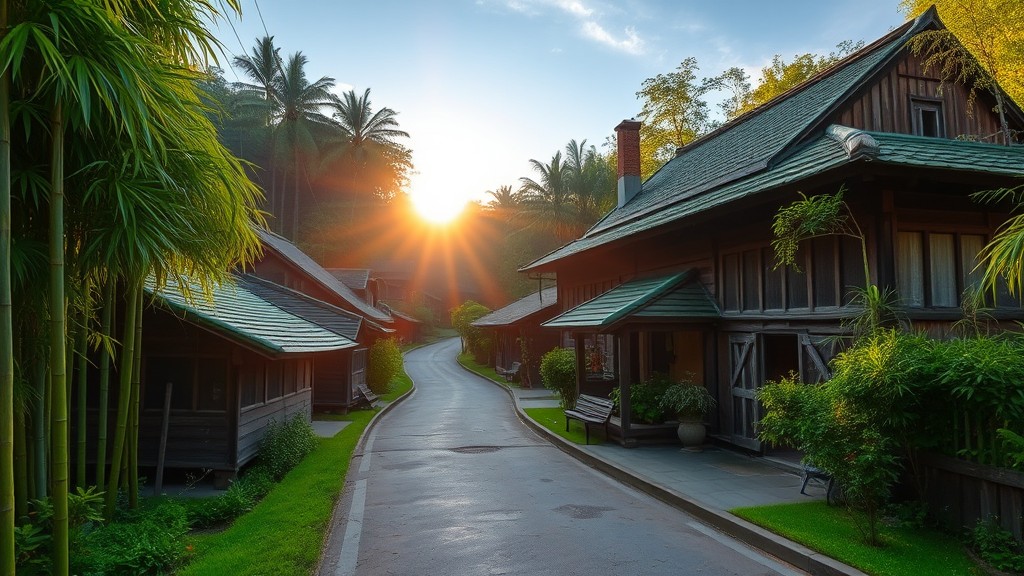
x=240, y=497
x=996, y=546
x=479, y=342
x=385, y=362
x=150, y=540
x=33, y=540
x=645, y=399
x=285, y=444
x=558, y=373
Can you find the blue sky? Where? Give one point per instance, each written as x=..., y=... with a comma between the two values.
x=483, y=86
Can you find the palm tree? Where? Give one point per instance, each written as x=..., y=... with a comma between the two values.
x=591, y=182
x=369, y=154
x=263, y=66
x=504, y=199
x=548, y=203
x=301, y=122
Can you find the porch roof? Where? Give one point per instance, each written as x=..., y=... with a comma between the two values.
x=516, y=311
x=679, y=296
x=241, y=315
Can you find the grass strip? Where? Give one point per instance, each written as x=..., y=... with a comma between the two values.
x=907, y=551
x=554, y=419
x=283, y=534
x=467, y=361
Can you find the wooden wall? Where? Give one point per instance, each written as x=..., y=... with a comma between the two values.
x=332, y=380
x=885, y=105
x=252, y=421
x=961, y=493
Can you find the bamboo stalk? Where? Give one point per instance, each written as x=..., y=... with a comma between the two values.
x=7, y=484
x=81, y=344
x=59, y=422
x=133, y=446
x=106, y=322
x=124, y=393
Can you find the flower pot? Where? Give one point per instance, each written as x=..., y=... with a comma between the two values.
x=691, y=432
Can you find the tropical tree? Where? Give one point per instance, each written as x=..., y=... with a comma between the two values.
x=982, y=47
x=368, y=158
x=674, y=113
x=262, y=66
x=503, y=199
x=547, y=202
x=591, y=181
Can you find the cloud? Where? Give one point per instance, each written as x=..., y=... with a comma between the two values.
x=575, y=8
x=630, y=44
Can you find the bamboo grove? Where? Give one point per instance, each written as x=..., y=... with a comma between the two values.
x=111, y=177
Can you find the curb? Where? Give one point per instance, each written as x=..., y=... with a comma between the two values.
x=792, y=553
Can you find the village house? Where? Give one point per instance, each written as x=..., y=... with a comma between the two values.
x=680, y=277
x=517, y=333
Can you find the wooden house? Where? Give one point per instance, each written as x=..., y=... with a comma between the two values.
x=358, y=281
x=680, y=278
x=216, y=372
x=517, y=327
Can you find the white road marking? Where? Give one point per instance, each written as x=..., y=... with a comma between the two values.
x=353, y=530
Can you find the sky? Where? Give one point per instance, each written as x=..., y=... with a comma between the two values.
x=484, y=86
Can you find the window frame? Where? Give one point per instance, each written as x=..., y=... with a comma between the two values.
x=919, y=105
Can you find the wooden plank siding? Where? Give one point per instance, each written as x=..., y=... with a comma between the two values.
x=884, y=106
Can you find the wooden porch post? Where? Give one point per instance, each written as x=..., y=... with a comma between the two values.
x=580, y=368
x=624, y=370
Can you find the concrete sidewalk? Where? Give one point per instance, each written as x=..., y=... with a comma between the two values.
x=705, y=483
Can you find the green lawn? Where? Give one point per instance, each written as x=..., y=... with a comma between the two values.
x=829, y=530
x=467, y=360
x=554, y=419
x=284, y=532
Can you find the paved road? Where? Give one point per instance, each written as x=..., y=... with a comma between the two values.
x=451, y=482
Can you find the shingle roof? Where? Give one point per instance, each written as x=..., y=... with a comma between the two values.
x=679, y=296
x=292, y=253
x=520, y=309
x=325, y=315
x=241, y=315
x=354, y=278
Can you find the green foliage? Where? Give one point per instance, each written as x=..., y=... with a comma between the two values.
x=241, y=497
x=34, y=541
x=149, y=540
x=687, y=399
x=474, y=339
x=384, y=362
x=554, y=420
x=855, y=425
x=1002, y=259
x=996, y=546
x=674, y=113
x=780, y=76
x=645, y=397
x=1013, y=443
x=558, y=373
x=285, y=444
x=821, y=215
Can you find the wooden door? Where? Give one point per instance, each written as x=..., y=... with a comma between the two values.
x=744, y=379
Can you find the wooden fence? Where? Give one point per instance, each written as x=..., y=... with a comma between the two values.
x=959, y=493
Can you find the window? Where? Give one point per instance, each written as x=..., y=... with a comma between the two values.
x=196, y=383
x=274, y=380
x=933, y=269
x=211, y=379
x=253, y=384
x=926, y=117
x=599, y=356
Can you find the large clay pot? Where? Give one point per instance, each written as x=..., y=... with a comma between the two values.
x=691, y=432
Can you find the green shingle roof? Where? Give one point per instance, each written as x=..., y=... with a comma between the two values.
x=679, y=296
x=241, y=315
x=337, y=320
x=781, y=143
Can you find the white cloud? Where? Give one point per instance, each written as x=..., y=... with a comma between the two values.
x=574, y=7
x=631, y=43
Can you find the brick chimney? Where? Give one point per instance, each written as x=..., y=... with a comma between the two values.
x=628, y=136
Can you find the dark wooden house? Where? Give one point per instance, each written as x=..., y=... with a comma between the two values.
x=233, y=364
x=680, y=276
x=517, y=327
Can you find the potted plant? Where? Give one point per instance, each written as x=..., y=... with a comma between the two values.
x=691, y=402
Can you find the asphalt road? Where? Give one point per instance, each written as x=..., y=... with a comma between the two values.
x=451, y=482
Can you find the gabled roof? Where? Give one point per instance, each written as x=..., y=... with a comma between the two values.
x=325, y=315
x=291, y=252
x=516, y=311
x=677, y=297
x=242, y=316
x=354, y=278
x=777, y=143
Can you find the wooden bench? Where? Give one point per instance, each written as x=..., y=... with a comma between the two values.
x=510, y=374
x=366, y=396
x=590, y=410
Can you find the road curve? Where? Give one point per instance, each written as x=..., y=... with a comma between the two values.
x=451, y=482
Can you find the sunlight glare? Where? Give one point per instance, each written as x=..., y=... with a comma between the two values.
x=437, y=207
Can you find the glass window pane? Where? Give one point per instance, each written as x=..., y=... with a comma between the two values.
x=772, y=281
x=751, y=293
x=853, y=267
x=824, y=266
x=910, y=269
x=252, y=384
x=796, y=282
x=274, y=380
x=290, y=369
x=212, y=380
x=161, y=370
x=731, y=282
x=970, y=248
x=942, y=270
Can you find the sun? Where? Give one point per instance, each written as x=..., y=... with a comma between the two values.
x=437, y=207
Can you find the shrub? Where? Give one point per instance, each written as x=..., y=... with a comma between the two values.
x=385, y=362
x=33, y=540
x=478, y=342
x=688, y=400
x=150, y=540
x=645, y=399
x=996, y=546
x=285, y=444
x=558, y=373
x=240, y=497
